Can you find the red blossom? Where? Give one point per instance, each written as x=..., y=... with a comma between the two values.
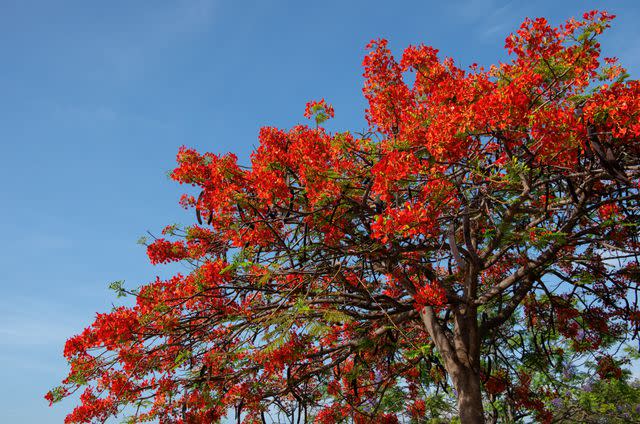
x=487, y=216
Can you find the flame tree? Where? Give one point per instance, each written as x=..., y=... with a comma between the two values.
x=457, y=260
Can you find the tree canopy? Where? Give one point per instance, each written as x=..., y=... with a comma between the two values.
x=464, y=259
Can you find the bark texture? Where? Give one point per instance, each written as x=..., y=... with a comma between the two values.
x=460, y=351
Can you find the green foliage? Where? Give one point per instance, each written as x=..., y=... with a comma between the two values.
x=57, y=394
x=603, y=401
x=118, y=288
x=333, y=316
x=182, y=357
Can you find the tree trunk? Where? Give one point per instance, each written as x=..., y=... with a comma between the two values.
x=467, y=384
x=460, y=350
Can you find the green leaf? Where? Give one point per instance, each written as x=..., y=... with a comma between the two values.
x=336, y=317
x=318, y=329
x=118, y=287
x=57, y=393
x=182, y=357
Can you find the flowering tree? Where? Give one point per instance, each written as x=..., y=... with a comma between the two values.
x=611, y=401
x=477, y=244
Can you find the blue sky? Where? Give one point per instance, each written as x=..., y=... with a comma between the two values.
x=96, y=97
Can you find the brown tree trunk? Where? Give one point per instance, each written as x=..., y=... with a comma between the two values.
x=467, y=384
x=460, y=350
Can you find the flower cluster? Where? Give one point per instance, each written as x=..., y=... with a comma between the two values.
x=335, y=274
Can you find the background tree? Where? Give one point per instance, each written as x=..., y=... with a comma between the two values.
x=615, y=401
x=478, y=242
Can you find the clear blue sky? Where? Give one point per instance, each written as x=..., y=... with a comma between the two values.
x=96, y=97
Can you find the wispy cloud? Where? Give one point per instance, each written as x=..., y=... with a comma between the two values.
x=129, y=54
x=40, y=242
x=471, y=10
x=98, y=116
x=490, y=18
x=28, y=322
x=32, y=332
x=73, y=114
